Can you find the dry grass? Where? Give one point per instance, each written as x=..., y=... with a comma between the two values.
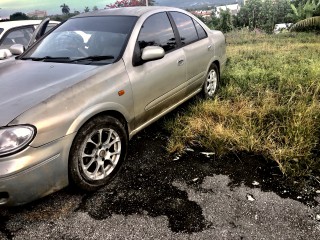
x=269, y=104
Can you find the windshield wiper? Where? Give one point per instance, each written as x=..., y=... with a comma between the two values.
x=46, y=58
x=93, y=58
x=68, y=59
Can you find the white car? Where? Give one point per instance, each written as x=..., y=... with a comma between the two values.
x=18, y=32
x=282, y=27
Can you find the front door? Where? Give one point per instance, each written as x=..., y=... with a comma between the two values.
x=157, y=84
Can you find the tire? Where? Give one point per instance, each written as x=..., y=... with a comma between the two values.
x=212, y=81
x=97, y=153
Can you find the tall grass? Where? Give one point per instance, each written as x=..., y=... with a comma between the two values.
x=269, y=103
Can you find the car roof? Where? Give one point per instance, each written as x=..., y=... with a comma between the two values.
x=11, y=24
x=127, y=11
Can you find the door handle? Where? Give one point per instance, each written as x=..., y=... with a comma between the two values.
x=180, y=62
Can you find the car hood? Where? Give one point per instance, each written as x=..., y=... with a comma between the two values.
x=24, y=84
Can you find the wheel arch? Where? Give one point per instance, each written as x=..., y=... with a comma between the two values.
x=215, y=62
x=114, y=110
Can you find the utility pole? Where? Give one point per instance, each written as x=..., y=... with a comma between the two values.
x=147, y=3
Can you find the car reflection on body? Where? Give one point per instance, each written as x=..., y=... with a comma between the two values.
x=70, y=103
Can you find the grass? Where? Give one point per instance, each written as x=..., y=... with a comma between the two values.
x=268, y=104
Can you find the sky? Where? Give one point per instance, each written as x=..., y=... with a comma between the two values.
x=8, y=7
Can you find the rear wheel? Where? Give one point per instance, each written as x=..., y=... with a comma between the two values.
x=97, y=153
x=211, y=84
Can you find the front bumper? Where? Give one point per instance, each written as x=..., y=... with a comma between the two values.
x=34, y=172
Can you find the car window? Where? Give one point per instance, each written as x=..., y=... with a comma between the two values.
x=50, y=26
x=17, y=36
x=186, y=28
x=1, y=30
x=157, y=31
x=201, y=32
x=102, y=36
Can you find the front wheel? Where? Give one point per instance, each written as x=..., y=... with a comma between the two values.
x=211, y=83
x=97, y=153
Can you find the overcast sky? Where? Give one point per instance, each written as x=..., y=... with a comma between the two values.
x=51, y=6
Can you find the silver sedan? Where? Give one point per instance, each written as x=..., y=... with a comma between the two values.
x=71, y=102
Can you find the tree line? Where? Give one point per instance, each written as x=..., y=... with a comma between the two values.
x=264, y=14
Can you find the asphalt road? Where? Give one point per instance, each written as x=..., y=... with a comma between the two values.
x=158, y=196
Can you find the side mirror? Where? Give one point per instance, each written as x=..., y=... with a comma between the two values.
x=152, y=53
x=16, y=49
x=5, y=53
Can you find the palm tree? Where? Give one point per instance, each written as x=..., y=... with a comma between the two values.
x=307, y=24
x=86, y=9
x=305, y=12
x=65, y=9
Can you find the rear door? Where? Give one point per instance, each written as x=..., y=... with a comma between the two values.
x=196, y=46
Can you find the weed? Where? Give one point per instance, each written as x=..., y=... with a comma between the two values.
x=269, y=104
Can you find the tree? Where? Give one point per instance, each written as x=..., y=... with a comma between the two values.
x=264, y=14
x=225, y=22
x=308, y=12
x=308, y=24
x=86, y=9
x=65, y=9
x=306, y=9
x=18, y=16
x=95, y=8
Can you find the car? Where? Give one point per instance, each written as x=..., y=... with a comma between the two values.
x=281, y=27
x=18, y=32
x=70, y=103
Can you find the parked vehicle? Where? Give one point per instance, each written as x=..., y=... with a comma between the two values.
x=282, y=27
x=18, y=32
x=71, y=102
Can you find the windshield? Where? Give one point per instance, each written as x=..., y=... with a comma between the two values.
x=87, y=40
x=1, y=30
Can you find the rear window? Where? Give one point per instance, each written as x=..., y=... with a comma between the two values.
x=201, y=32
x=186, y=28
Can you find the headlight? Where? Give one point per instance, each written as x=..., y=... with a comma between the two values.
x=13, y=139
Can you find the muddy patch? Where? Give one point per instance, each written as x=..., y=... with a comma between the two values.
x=145, y=184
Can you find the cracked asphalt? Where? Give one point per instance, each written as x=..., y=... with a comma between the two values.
x=158, y=196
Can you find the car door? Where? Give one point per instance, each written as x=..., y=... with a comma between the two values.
x=17, y=35
x=196, y=46
x=157, y=85
x=39, y=32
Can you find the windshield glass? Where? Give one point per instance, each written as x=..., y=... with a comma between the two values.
x=97, y=40
x=1, y=30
